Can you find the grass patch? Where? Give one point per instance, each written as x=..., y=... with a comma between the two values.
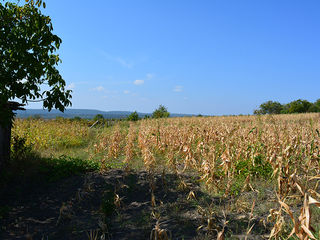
x=48, y=169
x=65, y=166
x=27, y=165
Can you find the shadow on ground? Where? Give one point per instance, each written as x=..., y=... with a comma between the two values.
x=117, y=204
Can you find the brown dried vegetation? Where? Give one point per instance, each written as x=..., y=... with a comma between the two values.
x=231, y=155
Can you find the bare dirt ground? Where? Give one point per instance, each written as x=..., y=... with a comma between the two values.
x=118, y=204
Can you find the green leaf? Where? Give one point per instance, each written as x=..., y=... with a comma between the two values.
x=28, y=53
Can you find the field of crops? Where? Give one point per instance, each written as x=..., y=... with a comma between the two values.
x=233, y=157
x=42, y=134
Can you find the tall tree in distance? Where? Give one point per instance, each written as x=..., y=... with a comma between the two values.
x=299, y=106
x=133, y=116
x=269, y=107
x=161, y=112
x=315, y=107
x=296, y=106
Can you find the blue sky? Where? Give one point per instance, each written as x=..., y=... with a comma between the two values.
x=209, y=57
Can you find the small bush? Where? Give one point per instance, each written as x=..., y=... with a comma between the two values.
x=98, y=117
x=161, y=112
x=133, y=116
x=256, y=168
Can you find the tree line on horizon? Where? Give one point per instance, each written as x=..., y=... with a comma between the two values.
x=296, y=106
x=160, y=112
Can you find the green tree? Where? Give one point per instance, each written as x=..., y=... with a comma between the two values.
x=98, y=117
x=285, y=108
x=28, y=61
x=133, y=116
x=299, y=106
x=161, y=112
x=269, y=107
x=315, y=106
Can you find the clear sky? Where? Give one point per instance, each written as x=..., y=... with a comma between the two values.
x=206, y=56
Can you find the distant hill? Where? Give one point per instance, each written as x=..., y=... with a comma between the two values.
x=83, y=113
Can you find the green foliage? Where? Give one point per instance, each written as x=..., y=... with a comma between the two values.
x=161, y=112
x=65, y=166
x=315, y=107
x=27, y=60
x=52, y=134
x=133, y=116
x=19, y=149
x=26, y=163
x=98, y=117
x=269, y=107
x=112, y=163
x=297, y=106
x=237, y=185
x=257, y=167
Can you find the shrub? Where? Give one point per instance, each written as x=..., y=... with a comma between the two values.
x=98, y=117
x=133, y=116
x=161, y=112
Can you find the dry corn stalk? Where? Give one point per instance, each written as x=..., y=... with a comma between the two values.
x=130, y=143
x=157, y=233
x=215, y=147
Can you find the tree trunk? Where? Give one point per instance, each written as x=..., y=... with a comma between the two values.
x=5, y=135
x=6, y=112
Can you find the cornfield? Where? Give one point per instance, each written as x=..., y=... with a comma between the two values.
x=53, y=134
x=228, y=152
x=231, y=155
